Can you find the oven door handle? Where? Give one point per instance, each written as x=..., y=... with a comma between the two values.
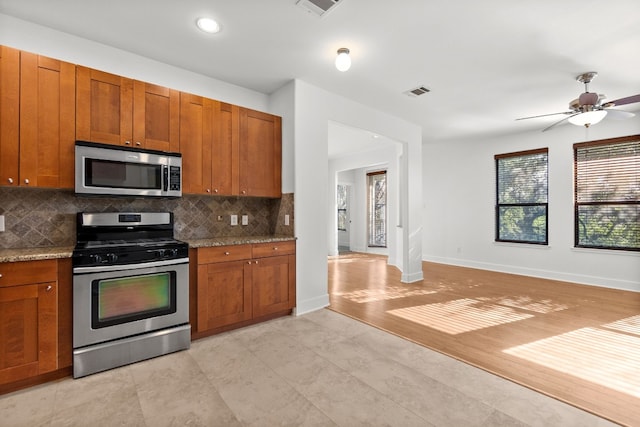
x=102, y=268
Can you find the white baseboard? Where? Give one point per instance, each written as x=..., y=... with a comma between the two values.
x=309, y=305
x=543, y=274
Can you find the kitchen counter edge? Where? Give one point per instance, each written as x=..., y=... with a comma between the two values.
x=42, y=253
x=224, y=241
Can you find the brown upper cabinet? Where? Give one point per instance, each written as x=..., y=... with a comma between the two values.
x=260, y=168
x=37, y=115
x=121, y=111
x=196, y=136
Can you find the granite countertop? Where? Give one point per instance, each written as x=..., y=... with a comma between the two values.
x=222, y=241
x=40, y=253
x=35, y=254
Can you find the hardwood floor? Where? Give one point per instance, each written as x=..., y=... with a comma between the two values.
x=577, y=343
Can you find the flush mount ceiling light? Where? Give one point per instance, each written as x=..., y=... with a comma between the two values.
x=588, y=118
x=343, y=60
x=208, y=25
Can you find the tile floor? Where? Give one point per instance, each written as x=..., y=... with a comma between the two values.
x=320, y=369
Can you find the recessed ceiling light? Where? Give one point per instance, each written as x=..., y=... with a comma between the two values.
x=208, y=25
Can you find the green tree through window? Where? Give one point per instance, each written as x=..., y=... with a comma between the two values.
x=522, y=196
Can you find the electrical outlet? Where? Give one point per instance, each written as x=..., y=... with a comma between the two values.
x=245, y=219
x=234, y=219
x=1, y=223
x=220, y=218
x=286, y=220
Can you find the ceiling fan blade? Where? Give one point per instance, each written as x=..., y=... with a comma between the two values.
x=619, y=114
x=559, y=121
x=623, y=101
x=545, y=115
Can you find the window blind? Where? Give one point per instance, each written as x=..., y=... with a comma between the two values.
x=607, y=193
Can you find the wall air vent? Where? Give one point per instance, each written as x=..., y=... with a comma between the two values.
x=420, y=90
x=317, y=7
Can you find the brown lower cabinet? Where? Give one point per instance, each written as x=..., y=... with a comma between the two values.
x=241, y=284
x=28, y=319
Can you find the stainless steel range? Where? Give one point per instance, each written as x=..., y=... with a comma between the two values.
x=130, y=290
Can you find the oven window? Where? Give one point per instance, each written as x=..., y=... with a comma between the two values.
x=126, y=299
x=112, y=174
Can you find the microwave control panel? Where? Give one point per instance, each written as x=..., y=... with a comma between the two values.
x=174, y=178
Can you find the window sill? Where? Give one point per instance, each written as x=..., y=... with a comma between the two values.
x=522, y=245
x=618, y=252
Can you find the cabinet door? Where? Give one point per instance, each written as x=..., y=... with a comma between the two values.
x=273, y=284
x=9, y=115
x=47, y=116
x=224, y=294
x=29, y=331
x=260, y=154
x=225, y=150
x=104, y=105
x=156, y=117
x=196, y=135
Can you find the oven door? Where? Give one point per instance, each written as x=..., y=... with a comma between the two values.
x=112, y=302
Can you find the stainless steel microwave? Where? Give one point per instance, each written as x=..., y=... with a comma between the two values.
x=102, y=169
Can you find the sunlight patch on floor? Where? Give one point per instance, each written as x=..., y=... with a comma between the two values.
x=528, y=303
x=608, y=358
x=630, y=325
x=388, y=293
x=459, y=316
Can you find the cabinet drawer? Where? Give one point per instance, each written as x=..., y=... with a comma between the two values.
x=261, y=250
x=223, y=253
x=28, y=272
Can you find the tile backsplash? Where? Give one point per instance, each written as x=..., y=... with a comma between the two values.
x=46, y=217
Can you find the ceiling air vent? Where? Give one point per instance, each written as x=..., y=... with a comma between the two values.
x=317, y=7
x=420, y=90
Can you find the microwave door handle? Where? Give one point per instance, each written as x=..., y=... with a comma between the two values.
x=165, y=177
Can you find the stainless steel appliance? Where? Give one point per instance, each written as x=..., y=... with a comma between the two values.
x=103, y=169
x=130, y=290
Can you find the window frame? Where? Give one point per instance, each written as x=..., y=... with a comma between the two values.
x=577, y=204
x=371, y=209
x=499, y=205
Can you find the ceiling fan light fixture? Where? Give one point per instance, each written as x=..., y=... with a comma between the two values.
x=343, y=60
x=588, y=118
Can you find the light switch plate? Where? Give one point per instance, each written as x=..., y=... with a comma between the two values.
x=245, y=219
x=1, y=223
x=234, y=219
x=286, y=220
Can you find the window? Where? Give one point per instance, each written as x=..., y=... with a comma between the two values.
x=377, y=201
x=607, y=193
x=342, y=207
x=521, y=197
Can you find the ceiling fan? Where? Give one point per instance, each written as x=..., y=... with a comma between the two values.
x=588, y=109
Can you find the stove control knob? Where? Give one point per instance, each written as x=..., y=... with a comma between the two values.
x=172, y=253
x=95, y=259
x=112, y=257
x=160, y=253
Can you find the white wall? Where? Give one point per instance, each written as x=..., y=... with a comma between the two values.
x=459, y=195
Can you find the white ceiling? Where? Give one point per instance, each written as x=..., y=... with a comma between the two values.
x=486, y=62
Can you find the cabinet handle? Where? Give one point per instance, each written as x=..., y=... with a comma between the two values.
x=10, y=180
x=49, y=288
x=227, y=253
x=26, y=181
x=127, y=143
x=244, y=192
x=249, y=262
x=275, y=248
x=256, y=262
x=0, y=275
x=208, y=190
x=138, y=143
x=215, y=191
